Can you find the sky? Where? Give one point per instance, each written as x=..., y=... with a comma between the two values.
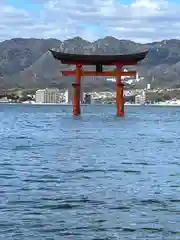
x=137, y=20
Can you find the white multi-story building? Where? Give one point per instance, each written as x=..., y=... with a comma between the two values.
x=148, y=86
x=47, y=95
x=140, y=98
x=68, y=96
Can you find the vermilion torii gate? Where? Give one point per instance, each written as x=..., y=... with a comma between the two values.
x=98, y=60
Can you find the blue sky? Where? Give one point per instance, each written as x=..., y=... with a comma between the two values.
x=25, y=4
x=33, y=6
x=148, y=21
x=30, y=4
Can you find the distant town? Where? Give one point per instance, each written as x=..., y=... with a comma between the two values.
x=133, y=96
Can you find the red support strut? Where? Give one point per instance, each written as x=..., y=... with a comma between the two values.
x=94, y=73
x=119, y=96
x=77, y=92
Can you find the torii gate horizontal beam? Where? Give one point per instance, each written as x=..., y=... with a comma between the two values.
x=94, y=73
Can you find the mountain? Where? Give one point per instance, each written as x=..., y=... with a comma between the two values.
x=27, y=63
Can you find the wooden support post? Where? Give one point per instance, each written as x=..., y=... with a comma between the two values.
x=77, y=92
x=119, y=95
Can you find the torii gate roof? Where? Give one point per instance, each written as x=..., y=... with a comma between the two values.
x=68, y=58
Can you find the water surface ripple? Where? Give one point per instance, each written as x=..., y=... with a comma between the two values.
x=92, y=178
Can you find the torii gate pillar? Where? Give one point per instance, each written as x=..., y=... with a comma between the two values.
x=77, y=92
x=119, y=98
x=119, y=94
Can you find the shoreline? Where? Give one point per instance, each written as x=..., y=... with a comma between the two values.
x=126, y=104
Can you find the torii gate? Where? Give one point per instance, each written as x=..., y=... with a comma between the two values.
x=98, y=60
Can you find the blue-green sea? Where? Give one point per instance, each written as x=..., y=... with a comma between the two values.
x=92, y=177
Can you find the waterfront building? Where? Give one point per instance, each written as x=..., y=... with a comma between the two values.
x=140, y=98
x=148, y=86
x=19, y=93
x=47, y=95
x=4, y=100
x=68, y=96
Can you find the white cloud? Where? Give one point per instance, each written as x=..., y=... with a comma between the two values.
x=143, y=20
